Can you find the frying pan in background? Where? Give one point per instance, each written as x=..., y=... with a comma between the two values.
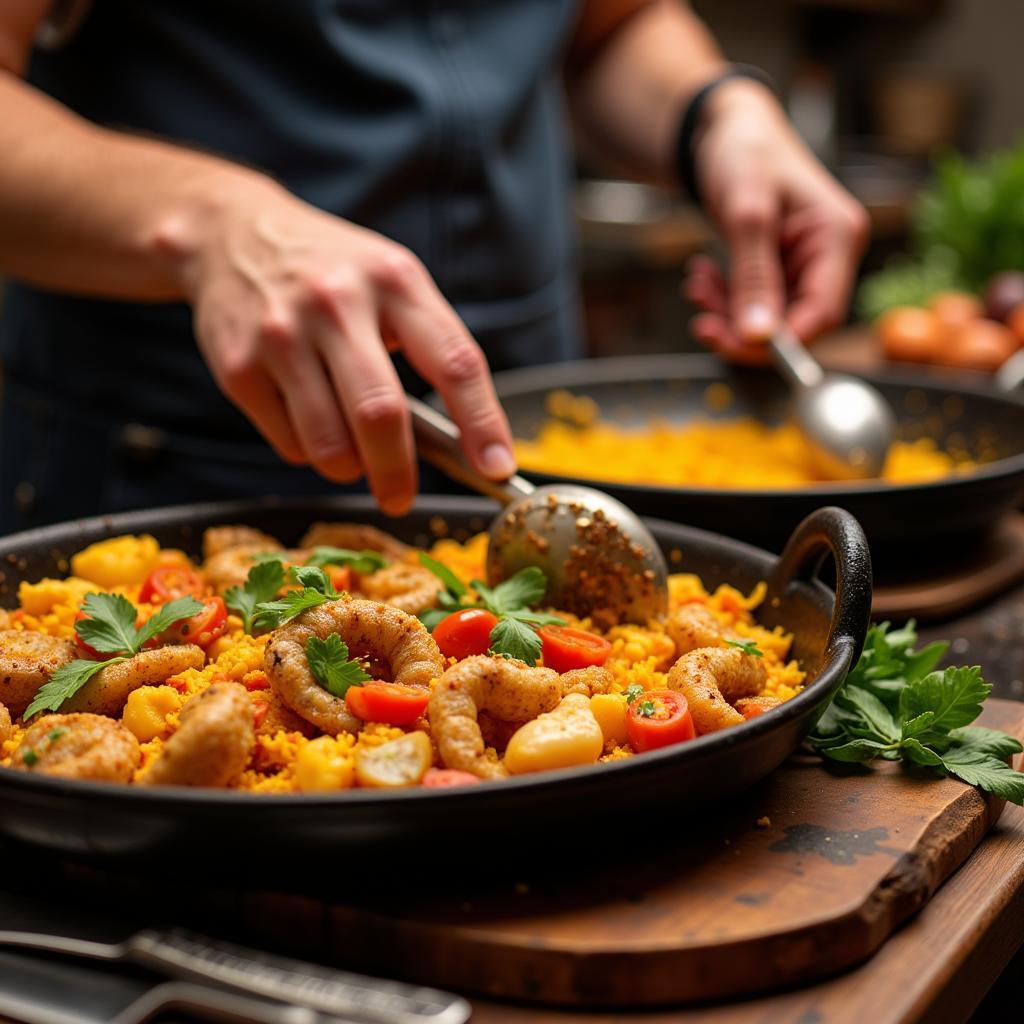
x=137, y=828
x=903, y=522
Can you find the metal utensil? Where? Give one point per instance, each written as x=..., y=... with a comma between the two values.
x=846, y=422
x=177, y=953
x=599, y=558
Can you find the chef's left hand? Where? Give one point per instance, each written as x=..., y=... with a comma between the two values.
x=795, y=236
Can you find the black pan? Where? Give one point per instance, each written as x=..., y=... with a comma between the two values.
x=902, y=522
x=123, y=824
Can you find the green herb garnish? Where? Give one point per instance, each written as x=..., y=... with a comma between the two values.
x=893, y=705
x=331, y=666
x=315, y=589
x=265, y=579
x=110, y=629
x=55, y=734
x=358, y=561
x=747, y=647
x=633, y=691
x=646, y=708
x=30, y=757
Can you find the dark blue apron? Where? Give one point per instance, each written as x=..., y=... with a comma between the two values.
x=439, y=124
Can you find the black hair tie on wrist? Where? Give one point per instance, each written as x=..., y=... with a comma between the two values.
x=686, y=165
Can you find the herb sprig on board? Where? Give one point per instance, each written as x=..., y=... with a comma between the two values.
x=894, y=705
x=108, y=628
x=515, y=634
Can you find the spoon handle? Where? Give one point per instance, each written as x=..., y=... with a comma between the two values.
x=437, y=440
x=793, y=360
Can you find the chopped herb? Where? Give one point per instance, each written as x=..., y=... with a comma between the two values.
x=30, y=757
x=747, y=647
x=633, y=691
x=265, y=579
x=646, y=708
x=358, y=561
x=331, y=666
x=894, y=706
x=55, y=734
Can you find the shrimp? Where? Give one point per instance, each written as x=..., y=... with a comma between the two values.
x=79, y=746
x=692, y=626
x=27, y=660
x=409, y=588
x=222, y=538
x=230, y=568
x=750, y=707
x=711, y=679
x=213, y=743
x=355, y=537
x=107, y=692
x=6, y=726
x=396, y=643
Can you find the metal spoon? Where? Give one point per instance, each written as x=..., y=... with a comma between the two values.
x=600, y=560
x=847, y=423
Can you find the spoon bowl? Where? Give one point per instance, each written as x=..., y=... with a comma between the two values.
x=599, y=558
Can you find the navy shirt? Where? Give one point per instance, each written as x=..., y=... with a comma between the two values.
x=438, y=124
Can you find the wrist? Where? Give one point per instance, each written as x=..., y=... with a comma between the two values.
x=184, y=231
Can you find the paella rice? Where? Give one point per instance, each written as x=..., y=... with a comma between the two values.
x=347, y=691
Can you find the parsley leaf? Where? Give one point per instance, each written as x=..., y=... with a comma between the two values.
x=358, y=561
x=895, y=705
x=452, y=584
x=265, y=579
x=312, y=577
x=514, y=639
x=331, y=667
x=109, y=626
x=316, y=589
x=515, y=594
x=645, y=708
x=747, y=647
x=170, y=613
x=65, y=683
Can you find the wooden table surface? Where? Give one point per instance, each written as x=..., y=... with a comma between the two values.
x=937, y=968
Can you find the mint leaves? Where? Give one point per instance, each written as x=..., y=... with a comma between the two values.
x=109, y=628
x=893, y=705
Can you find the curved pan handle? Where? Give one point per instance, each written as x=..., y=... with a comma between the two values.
x=832, y=531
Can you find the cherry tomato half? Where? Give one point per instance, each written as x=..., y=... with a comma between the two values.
x=202, y=628
x=465, y=633
x=340, y=576
x=446, y=778
x=168, y=583
x=391, y=703
x=565, y=648
x=658, y=718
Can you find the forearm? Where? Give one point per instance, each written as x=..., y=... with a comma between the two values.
x=89, y=210
x=628, y=101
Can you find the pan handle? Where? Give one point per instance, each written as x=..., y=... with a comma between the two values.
x=832, y=531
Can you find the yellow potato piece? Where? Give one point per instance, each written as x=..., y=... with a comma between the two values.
x=40, y=598
x=323, y=764
x=568, y=736
x=401, y=762
x=117, y=562
x=146, y=710
x=610, y=711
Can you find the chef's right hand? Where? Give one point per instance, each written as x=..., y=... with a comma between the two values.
x=295, y=311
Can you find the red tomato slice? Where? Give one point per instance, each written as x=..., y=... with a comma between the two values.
x=168, y=583
x=202, y=628
x=446, y=778
x=259, y=712
x=340, y=576
x=565, y=648
x=658, y=718
x=465, y=633
x=391, y=703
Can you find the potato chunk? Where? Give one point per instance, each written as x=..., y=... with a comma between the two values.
x=401, y=762
x=563, y=738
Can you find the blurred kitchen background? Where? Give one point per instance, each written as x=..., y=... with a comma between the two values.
x=878, y=87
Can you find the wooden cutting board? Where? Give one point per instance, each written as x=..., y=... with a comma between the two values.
x=806, y=875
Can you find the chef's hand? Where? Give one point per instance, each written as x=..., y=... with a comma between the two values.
x=795, y=236
x=295, y=312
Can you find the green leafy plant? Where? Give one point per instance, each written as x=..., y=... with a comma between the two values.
x=967, y=225
x=331, y=665
x=894, y=705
